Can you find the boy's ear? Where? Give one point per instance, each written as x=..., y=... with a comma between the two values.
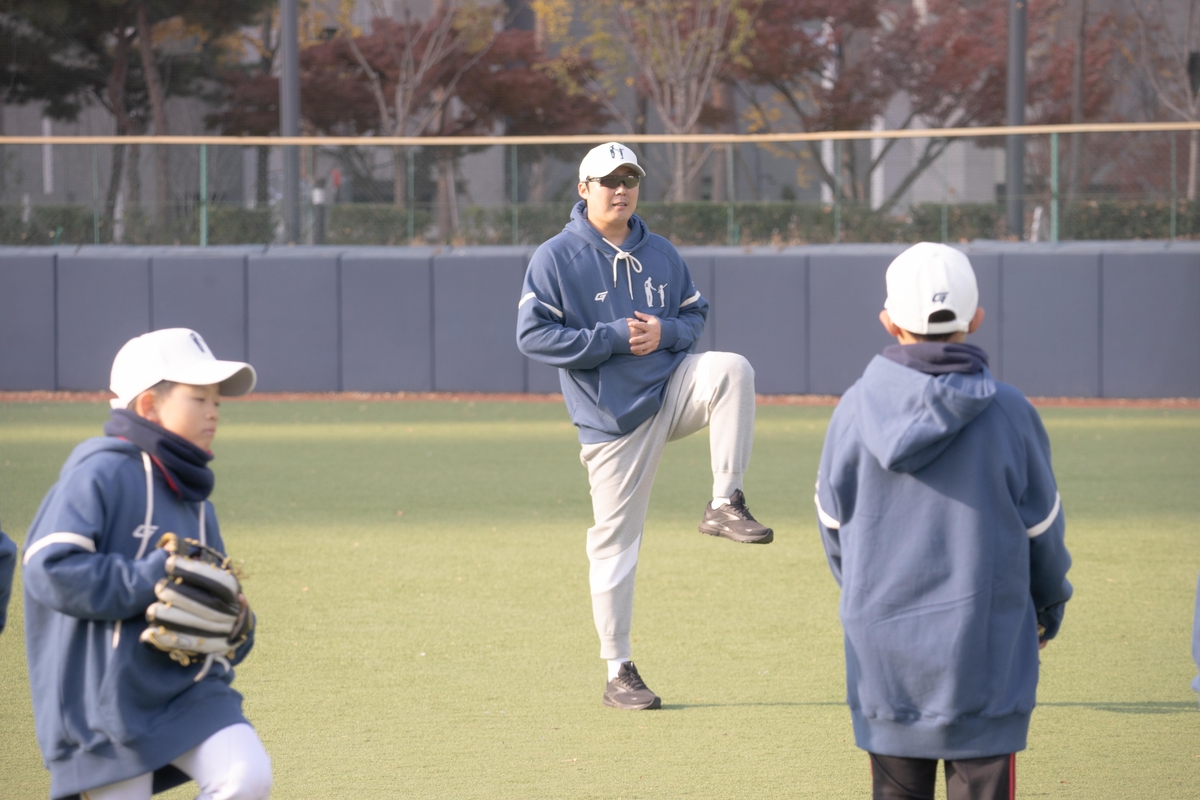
x=976, y=320
x=582, y=188
x=886, y=320
x=143, y=406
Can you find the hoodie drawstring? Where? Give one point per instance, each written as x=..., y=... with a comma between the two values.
x=630, y=262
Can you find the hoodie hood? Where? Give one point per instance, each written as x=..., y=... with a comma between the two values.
x=938, y=358
x=98, y=444
x=908, y=418
x=639, y=234
x=579, y=225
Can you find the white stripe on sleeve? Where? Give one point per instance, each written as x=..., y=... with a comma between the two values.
x=690, y=300
x=59, y=538
x=1044, y=525
x=533, y=296
x=826, y=520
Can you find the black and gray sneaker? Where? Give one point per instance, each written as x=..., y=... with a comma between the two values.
x=734, y=521
x=629, y=691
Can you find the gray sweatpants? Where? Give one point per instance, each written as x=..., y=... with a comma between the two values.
x=713, y=389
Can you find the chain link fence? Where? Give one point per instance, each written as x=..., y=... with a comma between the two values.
x=1113, y=184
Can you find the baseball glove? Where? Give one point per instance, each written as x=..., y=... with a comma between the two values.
x=201, y=613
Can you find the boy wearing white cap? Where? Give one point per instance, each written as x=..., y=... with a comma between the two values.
x=614, y=308
x=117, y=719
x=943, y=526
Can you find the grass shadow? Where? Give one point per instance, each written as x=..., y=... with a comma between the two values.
x=1136, y=707
x=685, y=706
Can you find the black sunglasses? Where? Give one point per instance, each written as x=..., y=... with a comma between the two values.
x=613, y=181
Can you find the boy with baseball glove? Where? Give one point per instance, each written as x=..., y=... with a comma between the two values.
x=943, y=526
x=134, y=616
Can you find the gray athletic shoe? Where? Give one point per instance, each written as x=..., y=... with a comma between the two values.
x=629, y=691
x=734, y=521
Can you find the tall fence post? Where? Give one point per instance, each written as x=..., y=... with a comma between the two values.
x=412, y=195
x=289, y=116
x=95, y=198
x=731, y=231
x=1054, y=187
x=837, y=191
x=945, y=196
x=516, y=193
x=204, y=195
x=1174, y=189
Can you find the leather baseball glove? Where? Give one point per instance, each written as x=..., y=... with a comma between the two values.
x=201, y=613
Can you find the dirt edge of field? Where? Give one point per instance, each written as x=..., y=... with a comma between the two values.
x=520, y=397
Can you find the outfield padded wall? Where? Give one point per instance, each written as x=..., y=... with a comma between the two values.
x=1081, y=319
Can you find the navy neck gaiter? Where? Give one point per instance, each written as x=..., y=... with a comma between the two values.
x=184, y=464
x=938, y=358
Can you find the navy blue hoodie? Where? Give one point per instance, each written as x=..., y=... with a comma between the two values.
x=942, y=523
x=8, y=563
x=578, y=294
x=107, y=707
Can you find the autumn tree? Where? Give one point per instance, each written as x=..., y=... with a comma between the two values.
x=412, y=68
x=1166, y=50
x=247, y=95
x=71, y=56
x=444, y=76
x=836, y=64
x=671, y=52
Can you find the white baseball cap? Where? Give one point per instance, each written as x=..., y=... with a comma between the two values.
x=928, y=279
x=178, y=355
x=605, y=159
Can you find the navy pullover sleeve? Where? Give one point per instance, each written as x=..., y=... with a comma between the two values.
x=1041, y=511
x=680, y=333
x=63, y=570
x=543, y=333
x=8, y=563
x=834, y=497
x=1196, y=639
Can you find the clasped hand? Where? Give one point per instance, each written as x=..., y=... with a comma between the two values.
x=645, y=333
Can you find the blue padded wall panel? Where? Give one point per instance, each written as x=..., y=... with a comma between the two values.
x=27, y=321
x=1050, y=331
x=541, y=378
x=1151, y=327
x=846, y=291
x=700, y=264
x=987, y=276
x=475, y=295
x=762, y=303
x=204, y=292
x=292, y=303
x=387, y=322
x=103, y=302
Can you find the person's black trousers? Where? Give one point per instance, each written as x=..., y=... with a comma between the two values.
x=990, y=778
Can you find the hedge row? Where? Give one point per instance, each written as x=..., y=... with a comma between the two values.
x=683, y=223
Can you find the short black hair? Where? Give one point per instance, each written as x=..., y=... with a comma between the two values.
x=160, y=389
x=942, y=315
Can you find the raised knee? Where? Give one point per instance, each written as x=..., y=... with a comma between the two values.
x=737, y=367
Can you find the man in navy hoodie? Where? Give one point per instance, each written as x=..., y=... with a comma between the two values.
x=614, y=308
x=943, y=526
x=115, y=718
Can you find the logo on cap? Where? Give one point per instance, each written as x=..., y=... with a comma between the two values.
x=199, y=344
x=612, y=151
x=940, y=297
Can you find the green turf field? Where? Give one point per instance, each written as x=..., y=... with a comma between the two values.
x=425, y=629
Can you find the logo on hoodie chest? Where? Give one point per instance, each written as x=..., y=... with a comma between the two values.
x=653, y=292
